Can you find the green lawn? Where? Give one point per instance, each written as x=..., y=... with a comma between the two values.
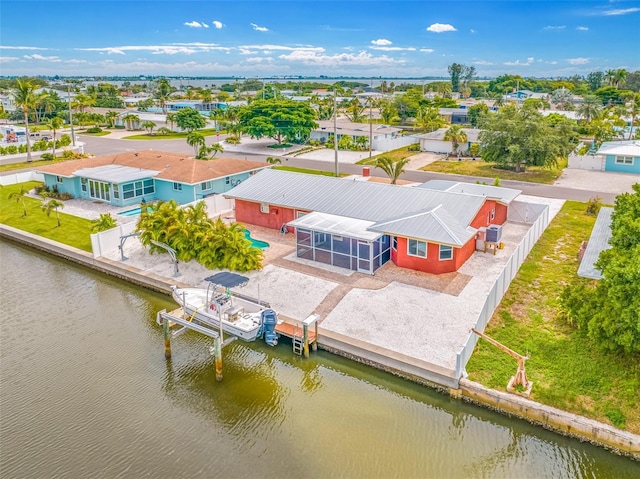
x=395, y=155
x=170, y=136
x=310, y=172
x=74, y=231
x=567, y=369
x=468, y=167
x=34, y=164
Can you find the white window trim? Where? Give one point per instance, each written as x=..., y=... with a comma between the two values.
x=440, y=258
x=493, y=213
x=177, y=186
x=394, y=243
x=624, y=160
x=264, y=208
x=417, y=255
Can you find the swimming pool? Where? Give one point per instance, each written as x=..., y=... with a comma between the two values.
x=254, y=242
x=132, y=212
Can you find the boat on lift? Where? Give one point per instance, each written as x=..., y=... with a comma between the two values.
x=217, y=306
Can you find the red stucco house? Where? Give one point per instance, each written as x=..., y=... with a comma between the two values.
x=361, y=225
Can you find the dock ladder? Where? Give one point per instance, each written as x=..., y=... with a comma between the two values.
x=297, y=340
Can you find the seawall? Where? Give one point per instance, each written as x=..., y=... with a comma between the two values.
x=409, y=368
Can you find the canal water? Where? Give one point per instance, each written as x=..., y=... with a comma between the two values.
x=85, y=391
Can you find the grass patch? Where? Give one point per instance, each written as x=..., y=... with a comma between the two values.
x=307, y=171
x=102, y=133
x=395, y=155
x=568, y=370
x=73, y=231
x=282, y=145
x=170, y=136
x=34, y=164
x=467, y=167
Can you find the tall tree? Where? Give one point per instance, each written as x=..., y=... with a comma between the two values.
x=162, y=93
x=590, y=108
x=189, y=120
x=392, y=168
x=595, y=80
x=278, y=119
x=455, y=71
x=19, y=197
x=52, y=205
x=25, y=97
x=477, y=112
x=54, y=125
x=195, y=140
x=516, y=137
x=428, y=118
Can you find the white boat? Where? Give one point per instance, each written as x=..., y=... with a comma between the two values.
x=240, y=316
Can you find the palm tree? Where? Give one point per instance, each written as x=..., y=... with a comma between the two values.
x=24, y=96
x=610, y=77
x=111, y=116
x=130, y=119
x=83, y=101
x=428, y=117
x=620, y=76
x=456, y=136
x=19, y=197
x=148, y=125
x=53, y=205
x=590, y=108
x=196, y=140
x=393, y=169
x=163, y=91
x=634, y=112
x=273, y=161
x=104, y=223
x=171, y=119
x=54, y=124
x=208, y=152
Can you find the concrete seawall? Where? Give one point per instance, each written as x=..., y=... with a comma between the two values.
x=404, y=366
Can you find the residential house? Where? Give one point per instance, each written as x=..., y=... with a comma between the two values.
x=128, y=178
x=360, y=225
x=621, y=156
x=381, y=135
x=434, y=141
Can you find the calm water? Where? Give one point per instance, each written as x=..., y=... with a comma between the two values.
x=86, y=392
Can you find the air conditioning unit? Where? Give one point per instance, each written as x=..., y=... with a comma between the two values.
x=494, y=233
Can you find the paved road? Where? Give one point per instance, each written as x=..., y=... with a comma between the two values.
x=103, y=146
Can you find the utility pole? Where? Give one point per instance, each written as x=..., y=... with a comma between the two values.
x=370, y=125
x=335, y=129
x=73, y=135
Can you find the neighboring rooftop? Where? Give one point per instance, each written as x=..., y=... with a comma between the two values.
x=161, y=165
x=598, y=242
x=627, y=148
x=472, y=134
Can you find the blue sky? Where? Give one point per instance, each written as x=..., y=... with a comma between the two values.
x=317, y=37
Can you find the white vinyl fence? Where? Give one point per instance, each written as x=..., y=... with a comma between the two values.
x=14, y=178
x=393, y=143
x=503, y=281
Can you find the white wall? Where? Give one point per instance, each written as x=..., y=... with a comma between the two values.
x=586, y=162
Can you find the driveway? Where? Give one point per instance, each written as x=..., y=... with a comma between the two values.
x=597, y=181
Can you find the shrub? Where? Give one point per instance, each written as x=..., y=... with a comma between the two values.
x=65, y=140
x=67, y=154
x=496, y=181
x=414, y=147
x=47, y=156
x=233, y=140
x=164, y=131
x=594, y=205
x=94, y=129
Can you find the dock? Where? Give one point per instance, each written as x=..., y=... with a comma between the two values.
x=300, y=335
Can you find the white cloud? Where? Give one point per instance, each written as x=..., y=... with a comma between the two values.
x=621, y=11
x=578, y=61
x=582, y=29
x=8, y=59
x=472, y=31
x=483, y=62
x=394, y=49
x=258, y=28
x=172, y=49
x=259, y=60
x=36, y=56
x=441, y=27
x=75, y=60
x=381, y=42
x=519, y=63
x=555, y=27
x=246, y=51
x=193, y=24
x=282, y=47
x=218, y=24
x=205, y=25
x=5, y=47
x=427, y=50
x=341, y=59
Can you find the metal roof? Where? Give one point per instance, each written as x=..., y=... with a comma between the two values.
x=336, y=225
x=375, y=202
x=598, y=242
x=115, y=173
x=629, y=147
x=472, y=133
x=503, y=195
x=437, y=225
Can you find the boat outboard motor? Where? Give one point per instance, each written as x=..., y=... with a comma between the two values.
x=269, y=321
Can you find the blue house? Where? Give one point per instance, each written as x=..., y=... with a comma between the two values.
x=621, y=156
x=128, y=178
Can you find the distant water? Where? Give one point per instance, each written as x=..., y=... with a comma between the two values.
x=85, y=392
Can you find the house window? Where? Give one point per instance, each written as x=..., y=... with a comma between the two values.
x=83, y=184
x=394, y=243
x=300, y=214
x=624, y=160
x=446, y=252
x=493, y=213
x=116, y=191
x=207, y=185
x=227, y=180
x=149, y=187
x=177, y=186
x=417, y=248
x=59, y=179
x=264, y=208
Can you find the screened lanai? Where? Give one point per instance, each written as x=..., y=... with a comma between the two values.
x=340, y=241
